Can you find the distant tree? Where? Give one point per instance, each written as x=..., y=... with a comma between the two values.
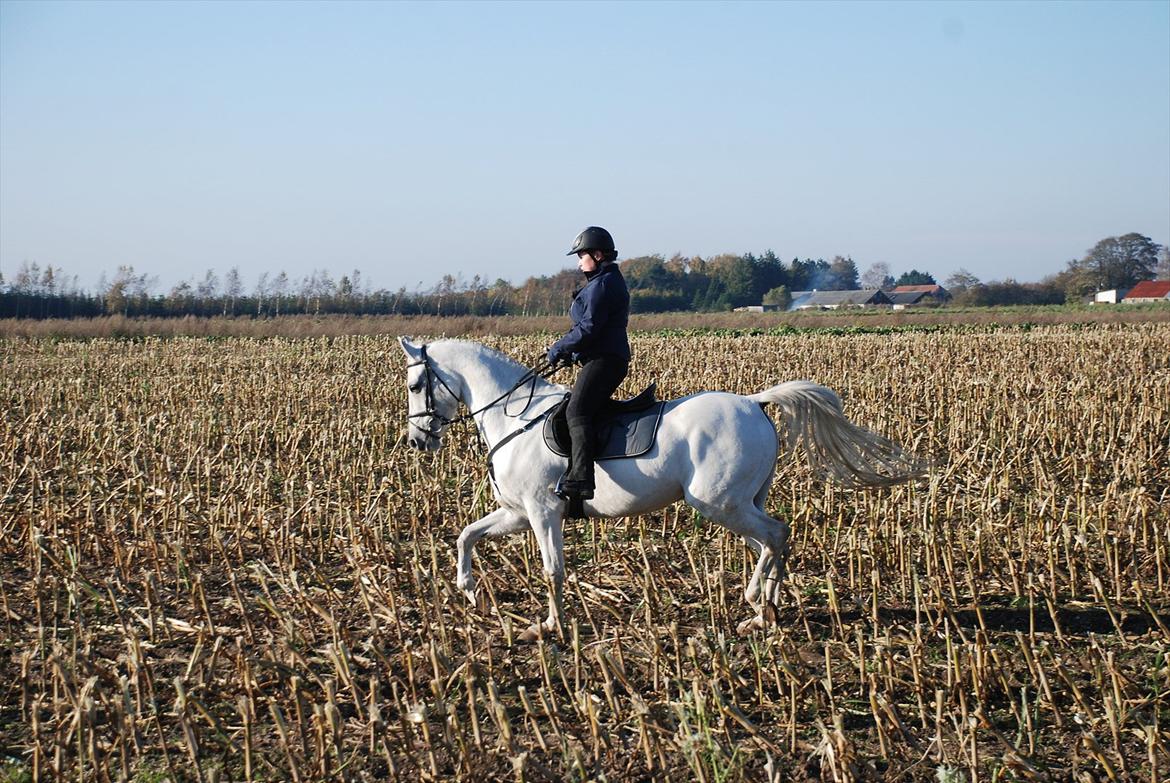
x=678, y=265
x=361, y=290
x=117, y=295
x=799, y=275
x=314, y=287
x=280, y=289
x=1137, y=256
x=180, y=299
x=647, y=272
x=500, y=291
x=736, y=277
x=877, y=276
x=1162, y=271
x=25, y=280
x=141, y=286
x=443, y=289
x=961, y=280
x=769, y=271
x=807, y=274
x=778, y=296
x=1010, y=292
x=1114, y=262
x=48, y=284
x=844, y=272
x=914, y=277
x=233, y=286
x=207, y=289
x=261, y=291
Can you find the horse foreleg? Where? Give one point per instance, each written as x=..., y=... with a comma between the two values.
x=498, y=523
x=550, y=537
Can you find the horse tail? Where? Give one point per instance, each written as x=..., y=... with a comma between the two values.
x=834, y=445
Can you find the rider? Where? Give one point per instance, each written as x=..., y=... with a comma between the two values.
x=598, y=342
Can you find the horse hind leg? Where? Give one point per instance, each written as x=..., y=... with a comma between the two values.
x=766, y=590
x=771, y=537
x=752, y=594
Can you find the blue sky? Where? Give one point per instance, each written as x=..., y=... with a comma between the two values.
x=415, y=140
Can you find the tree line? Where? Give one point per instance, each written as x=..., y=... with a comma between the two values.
x=657, y=284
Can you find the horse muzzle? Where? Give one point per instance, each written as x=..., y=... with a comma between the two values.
x=424, y=441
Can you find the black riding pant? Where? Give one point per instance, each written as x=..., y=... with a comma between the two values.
x=596, y=382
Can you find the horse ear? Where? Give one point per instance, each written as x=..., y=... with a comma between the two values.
x=412, y=351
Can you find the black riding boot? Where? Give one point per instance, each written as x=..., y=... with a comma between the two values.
x=578, y=482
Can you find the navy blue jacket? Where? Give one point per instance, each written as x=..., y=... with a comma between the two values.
x=600, y=314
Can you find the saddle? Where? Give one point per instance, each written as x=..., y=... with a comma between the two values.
x=624, y=428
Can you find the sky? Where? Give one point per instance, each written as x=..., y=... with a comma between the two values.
x=412, y=141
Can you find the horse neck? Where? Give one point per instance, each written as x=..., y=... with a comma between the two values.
x=485, y=376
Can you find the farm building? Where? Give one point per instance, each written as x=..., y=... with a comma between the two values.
x=902, y=299
x=832, y=300
x=799, y=298
x=1112, y=296
x=1149, y=291
x=933, y=291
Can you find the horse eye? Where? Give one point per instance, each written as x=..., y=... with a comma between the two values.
x=415, y=388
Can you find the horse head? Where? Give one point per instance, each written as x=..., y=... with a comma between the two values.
x=432, y=404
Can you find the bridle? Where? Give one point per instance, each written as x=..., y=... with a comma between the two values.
x=542, y=370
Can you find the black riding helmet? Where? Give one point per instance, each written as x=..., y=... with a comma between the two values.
x=593, y=238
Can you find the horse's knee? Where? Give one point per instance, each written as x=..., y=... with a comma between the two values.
x=466, y=540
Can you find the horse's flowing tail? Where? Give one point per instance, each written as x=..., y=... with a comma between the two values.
x=834, y=445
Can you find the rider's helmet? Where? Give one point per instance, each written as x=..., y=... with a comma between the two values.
x=593, y=238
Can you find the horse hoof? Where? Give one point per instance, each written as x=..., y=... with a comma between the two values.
x=469, y=594
x=530, y=634
x=750, y=626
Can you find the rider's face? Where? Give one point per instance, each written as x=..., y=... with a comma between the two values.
x=586, y=262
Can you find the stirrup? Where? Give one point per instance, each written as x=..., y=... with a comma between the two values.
x=566, y=491
x=574, y=502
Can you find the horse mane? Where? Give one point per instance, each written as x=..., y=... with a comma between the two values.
x=488, y=352
x=486, y=349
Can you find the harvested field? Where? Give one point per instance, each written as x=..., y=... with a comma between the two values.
x=220, y=562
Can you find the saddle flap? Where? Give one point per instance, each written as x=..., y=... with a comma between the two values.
x=624, y=428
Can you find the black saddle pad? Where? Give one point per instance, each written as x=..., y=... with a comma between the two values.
x=624, y=428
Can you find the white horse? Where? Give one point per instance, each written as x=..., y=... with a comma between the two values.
x=716, y=450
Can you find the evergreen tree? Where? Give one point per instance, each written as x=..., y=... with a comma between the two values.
x=914, y=277
x=844, y=272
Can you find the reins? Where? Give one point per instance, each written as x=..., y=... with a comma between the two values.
x=543, y=370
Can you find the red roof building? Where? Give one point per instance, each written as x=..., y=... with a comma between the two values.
x=1149, y=291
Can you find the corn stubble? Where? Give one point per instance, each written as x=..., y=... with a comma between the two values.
x=220, y=562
